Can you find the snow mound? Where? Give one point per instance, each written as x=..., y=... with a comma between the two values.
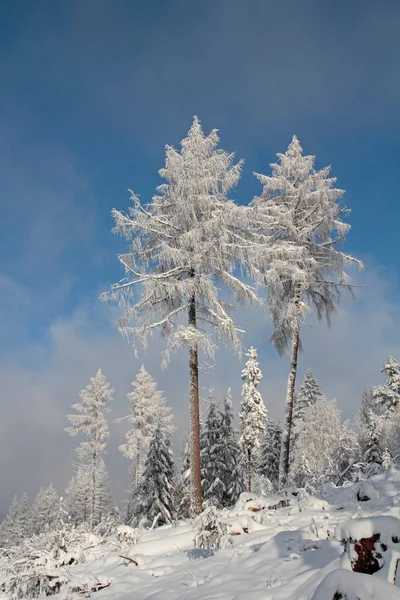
x=357, y=529
x=354, y=586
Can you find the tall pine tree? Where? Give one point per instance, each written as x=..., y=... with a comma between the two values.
x=186, y=247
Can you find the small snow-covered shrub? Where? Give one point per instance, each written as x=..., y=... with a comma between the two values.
x=211, y=532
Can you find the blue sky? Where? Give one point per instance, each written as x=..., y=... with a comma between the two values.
x=91, y=93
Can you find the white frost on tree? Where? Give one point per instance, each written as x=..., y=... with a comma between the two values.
x=325, y=448
x=148, y=411
x=253, y=415
x=186, y=244
x=90, y=422
x=300, y=262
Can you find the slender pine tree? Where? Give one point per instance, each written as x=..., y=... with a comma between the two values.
x=253, y=415
x=90, y=421
x=300, y=262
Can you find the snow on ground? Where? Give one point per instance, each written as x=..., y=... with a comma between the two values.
x=279, y=553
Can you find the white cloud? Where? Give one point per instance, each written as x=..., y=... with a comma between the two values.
x=40, y=382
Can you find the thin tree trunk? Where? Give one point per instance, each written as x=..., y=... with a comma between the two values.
x=196, y=495
x=287, y=432
x=137, y=469
x=92, y=520
x=248, y=470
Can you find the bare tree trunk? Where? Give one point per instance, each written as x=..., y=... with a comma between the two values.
x=287, y=432
x=92, y=519
x=137, y=469
x=196, y=495
x=248, y=470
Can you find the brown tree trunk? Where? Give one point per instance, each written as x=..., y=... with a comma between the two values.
x=196, y=495
x=248, y=470
x=287, y=432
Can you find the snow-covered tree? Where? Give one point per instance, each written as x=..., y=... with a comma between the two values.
x=268, y=465
x=77, y=497
x=183, y=495
x=148, y=411
x=253, y=415
x=387, y=396
x=211, y=532
x=307, y=395
x=232, y=467
x=318, y=444
x=18, y=523
x=300, y=263
x=369, y=429
x=90, y=422
x=212, y=456
x=155, y=496
x=186, y=245
x=45, y=509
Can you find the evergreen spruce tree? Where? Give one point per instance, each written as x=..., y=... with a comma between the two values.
x=212, y=456
x=45, y=509
x=232, y=469
x=253, y=415
x=155, y=496
x=148, y=411
x=186, y=246
x=300, y=263
x=90, y=421
x=268, y=465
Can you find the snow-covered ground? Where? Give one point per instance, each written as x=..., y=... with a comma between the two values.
x=274, y=553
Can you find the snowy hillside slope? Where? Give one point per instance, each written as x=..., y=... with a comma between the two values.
x=275, y=553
